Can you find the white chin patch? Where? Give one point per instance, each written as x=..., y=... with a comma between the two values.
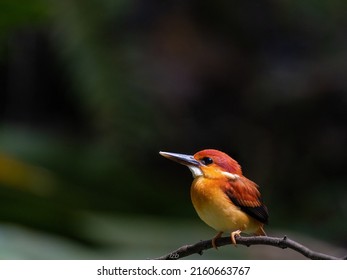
x=196, y=171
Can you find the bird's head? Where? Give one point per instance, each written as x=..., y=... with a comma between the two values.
x=208, y=163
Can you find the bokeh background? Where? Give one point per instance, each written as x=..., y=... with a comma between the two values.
x=91, y=91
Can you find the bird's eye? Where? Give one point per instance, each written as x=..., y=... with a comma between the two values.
x=206, y=160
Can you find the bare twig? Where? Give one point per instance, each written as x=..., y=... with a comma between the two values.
x=283, y=243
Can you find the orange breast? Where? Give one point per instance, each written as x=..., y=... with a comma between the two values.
x=215, y=208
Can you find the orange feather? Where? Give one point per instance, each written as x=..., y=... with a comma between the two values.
x=223, y=198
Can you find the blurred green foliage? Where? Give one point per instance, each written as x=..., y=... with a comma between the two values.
x=91, y=91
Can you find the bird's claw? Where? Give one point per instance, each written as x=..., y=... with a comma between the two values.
x=219, y=234
x=233, y=235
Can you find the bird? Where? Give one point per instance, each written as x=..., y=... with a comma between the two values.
x=223, y=198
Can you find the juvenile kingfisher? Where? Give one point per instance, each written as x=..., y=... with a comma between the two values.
x=223, y=198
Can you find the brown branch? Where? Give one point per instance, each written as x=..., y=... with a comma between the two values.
x=283, y=243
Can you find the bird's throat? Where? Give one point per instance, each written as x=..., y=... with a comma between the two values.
x=196, y=171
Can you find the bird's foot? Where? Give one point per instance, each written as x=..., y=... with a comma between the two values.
x=219, y=234
x=232, y=236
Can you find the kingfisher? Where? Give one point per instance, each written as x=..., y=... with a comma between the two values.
x=223, y=198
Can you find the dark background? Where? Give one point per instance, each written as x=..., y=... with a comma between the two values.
x=91, y=91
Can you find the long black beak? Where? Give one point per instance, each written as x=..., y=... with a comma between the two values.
x=187, y=160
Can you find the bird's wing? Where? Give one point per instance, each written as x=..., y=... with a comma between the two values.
x=245, y=194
